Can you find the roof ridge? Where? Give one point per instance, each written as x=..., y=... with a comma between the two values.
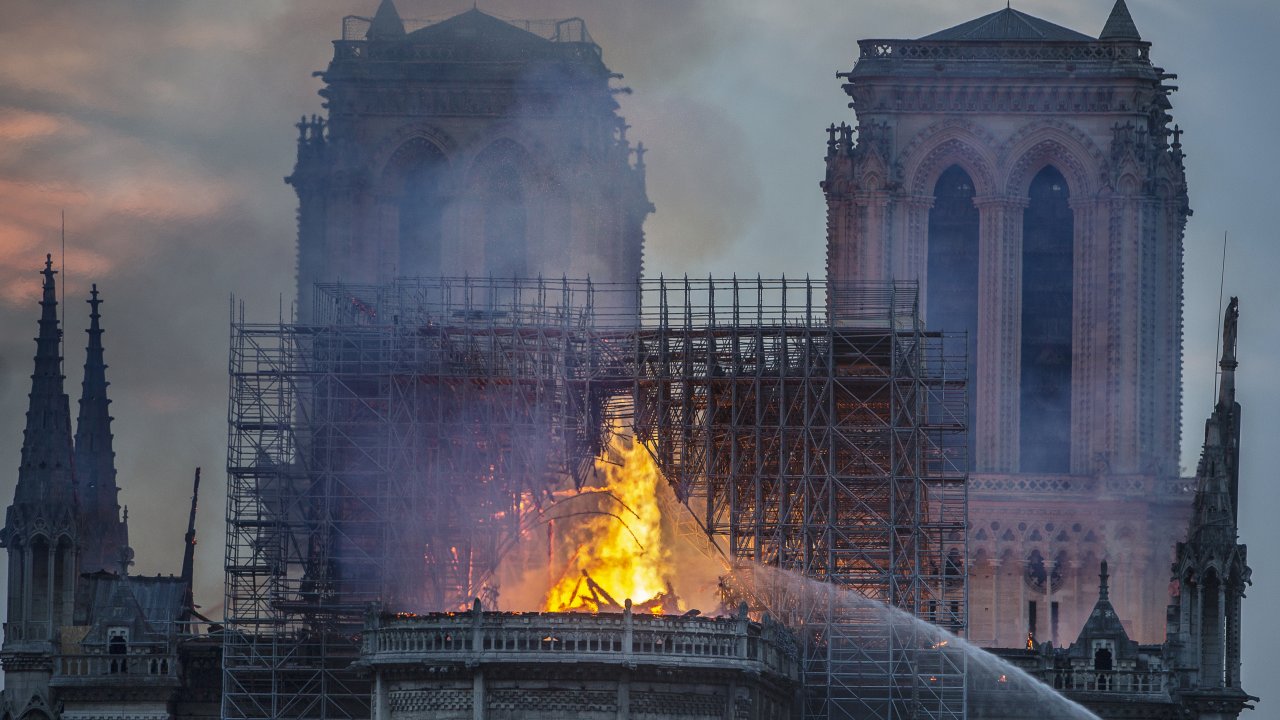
x=1008, y=24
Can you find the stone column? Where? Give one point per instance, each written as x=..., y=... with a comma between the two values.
x=49, y=559
x=1088, y=340
x=911, y=244
x=380, y=709
x=875, y=242
x=1147, y=626
x=1023, y=617
x=624, y=682
x=995, y=599
x=1123, y=390
x=478, y=695
x=1049, y=567
x=1076, y=601
x=843, y=238
x=14, y=604
x=69, y=573
x=1220, y=629
x=1233, y=639
x=999, y=332
x=27, y=581
x=1197, y=631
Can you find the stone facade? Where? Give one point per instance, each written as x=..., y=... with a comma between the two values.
x=1195, y=673
x=550, y=666
x=1027, y=176
x=467, y=147
x=81, y=641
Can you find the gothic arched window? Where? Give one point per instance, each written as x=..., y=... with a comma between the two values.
x=39, y=590
x=17, y=560
x=1048, y=232
x=501, y=187
x=1212, y=642
x=417, y=187
x=951, y=301
x=63, y=569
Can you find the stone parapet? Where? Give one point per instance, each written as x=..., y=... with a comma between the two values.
x=535, y=665
x=609, y=638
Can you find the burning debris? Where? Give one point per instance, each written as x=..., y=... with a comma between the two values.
x=588, y=593
x=619, y=551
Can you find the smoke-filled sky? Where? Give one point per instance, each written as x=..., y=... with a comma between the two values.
x=164, y=127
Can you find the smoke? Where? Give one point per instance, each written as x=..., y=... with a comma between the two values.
x=163, y=127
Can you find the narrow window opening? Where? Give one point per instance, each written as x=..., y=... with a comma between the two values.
x=1047, y=244
x=951, y=301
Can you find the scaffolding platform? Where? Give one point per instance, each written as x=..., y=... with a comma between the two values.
x=393, y=449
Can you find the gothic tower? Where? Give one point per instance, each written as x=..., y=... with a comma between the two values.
x=41, y=532
x=64, y=521
x=95, y=461
x=473, y=146
x=1028, y=177
x=1209, y=569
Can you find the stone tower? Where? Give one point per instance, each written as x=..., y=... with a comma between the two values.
x=1209, y=569
x=64, y=520
x=1028, y=177
x=473, y=146
x=41, y=532
x=95, y=461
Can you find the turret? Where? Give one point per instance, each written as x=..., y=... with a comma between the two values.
x=386, y=24
x=104, y=537
x=1210, y=570
x=41, y=529
x=1120, y=25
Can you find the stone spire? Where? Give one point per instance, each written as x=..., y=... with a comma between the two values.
x=1103, y=621
x=386, y=24
x=1210, y=567
x=1217, y=475
x=1120, y=24
x=102, y=532
x=45, y=475
x=42, y=523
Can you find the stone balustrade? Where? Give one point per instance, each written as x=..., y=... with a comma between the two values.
x=80, y=669
x=1129, y=682
x=624, y=638
x=1135, y=52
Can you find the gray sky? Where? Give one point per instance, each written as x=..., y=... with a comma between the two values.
x=164, y=127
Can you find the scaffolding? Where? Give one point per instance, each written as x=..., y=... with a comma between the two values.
x=825, y=436
x=396, y=447
x=392, y=451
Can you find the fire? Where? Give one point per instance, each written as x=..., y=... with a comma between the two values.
x=619, y=552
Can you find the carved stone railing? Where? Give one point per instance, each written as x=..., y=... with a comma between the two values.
x=1081, y=485
x=1128, y=682
x=21, y=632
x=632, y=639
x=128, y=669
x=942, y=50
x=362, y=49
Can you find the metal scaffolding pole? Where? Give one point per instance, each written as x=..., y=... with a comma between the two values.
x=827, y=439
x=395, y=448
x=392, y=452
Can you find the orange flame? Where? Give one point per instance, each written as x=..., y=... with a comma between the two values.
x=621, y=549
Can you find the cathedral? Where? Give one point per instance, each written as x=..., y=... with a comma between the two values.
x=82, y=637
x=1027, y=178
x=467, y=147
